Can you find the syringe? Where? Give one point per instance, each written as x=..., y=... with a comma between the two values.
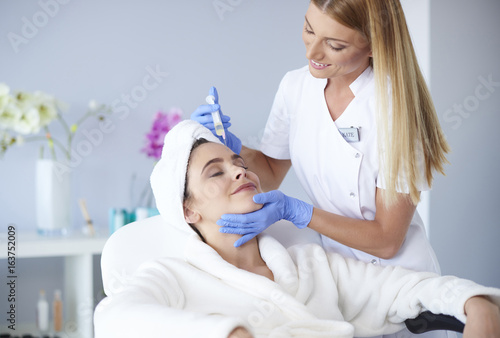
x=219, y=128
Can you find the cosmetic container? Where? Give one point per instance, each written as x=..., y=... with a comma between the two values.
x=42, y=312
x=57, y=311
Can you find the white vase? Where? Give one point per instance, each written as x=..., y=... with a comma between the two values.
x=52, y=197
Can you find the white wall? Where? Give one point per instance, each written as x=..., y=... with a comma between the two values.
x=465, y=226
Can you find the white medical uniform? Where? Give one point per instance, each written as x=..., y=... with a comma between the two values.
x=339, y=176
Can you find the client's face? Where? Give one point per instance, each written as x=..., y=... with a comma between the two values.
x=219, y=183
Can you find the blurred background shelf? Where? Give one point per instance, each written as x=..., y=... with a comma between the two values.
x=77, y=250
x=31, y=329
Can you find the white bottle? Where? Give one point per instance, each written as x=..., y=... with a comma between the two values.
x=42, y=313
x=141, y=213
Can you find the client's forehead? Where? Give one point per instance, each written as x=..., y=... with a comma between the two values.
x=207, y=151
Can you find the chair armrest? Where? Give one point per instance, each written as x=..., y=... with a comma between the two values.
x=428, y=321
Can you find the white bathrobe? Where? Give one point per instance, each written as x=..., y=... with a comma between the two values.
x=315, y=294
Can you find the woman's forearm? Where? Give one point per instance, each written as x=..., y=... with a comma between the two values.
x=367, y=236
x=381, y=237
x=271, y=172
x=483, y=318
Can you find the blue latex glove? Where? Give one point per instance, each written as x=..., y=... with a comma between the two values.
x=203, y=115
x=277, y=206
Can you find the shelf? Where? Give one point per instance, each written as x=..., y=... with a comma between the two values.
x=77, y=250
x=32, y=245
x=24, y=328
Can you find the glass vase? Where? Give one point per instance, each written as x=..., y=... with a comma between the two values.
x=53, y=189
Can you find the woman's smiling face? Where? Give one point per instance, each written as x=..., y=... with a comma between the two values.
x=219, y=183
x=333, y=49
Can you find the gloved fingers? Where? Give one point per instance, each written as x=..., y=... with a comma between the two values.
x=268, y=197
x=210, y=125
x=238, y=230
x=231, y=230
x=243, y=219
x=213, y=91
x=239, y=223
x=233, y=142
x=224, y=118
x=244, y=239
x=205, y=111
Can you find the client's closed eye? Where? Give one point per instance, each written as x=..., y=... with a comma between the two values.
x=218, y=173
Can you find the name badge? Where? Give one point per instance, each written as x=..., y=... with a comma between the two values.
x=350, y=134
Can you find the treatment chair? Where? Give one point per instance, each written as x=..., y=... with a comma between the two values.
x=152, y=238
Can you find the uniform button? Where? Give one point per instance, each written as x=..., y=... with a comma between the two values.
x=357, y=155
x=352, y=195
x=374, y=261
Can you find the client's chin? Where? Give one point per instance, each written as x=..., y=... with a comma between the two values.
x=246, y=206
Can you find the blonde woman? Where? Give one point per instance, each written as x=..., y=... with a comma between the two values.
x=360, y=129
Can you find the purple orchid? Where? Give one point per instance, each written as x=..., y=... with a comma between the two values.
x=162, y=124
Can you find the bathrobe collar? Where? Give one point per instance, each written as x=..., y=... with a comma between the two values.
x=283, y=293
x=273, y=253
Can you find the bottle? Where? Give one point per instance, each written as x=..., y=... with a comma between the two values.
x=42, y=312
x=57, y=310
x=141, y=213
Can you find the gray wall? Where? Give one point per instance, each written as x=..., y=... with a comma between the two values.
x=465, y=50
x=101, y=50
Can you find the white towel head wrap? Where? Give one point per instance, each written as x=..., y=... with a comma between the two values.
x=169, y=174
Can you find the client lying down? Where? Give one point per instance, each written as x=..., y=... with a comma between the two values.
x=262, y=289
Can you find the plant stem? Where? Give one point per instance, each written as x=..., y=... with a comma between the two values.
x=51, y=145
x=68, y=133
x=43, y=138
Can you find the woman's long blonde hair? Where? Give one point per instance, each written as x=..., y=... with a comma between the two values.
x=414, y=126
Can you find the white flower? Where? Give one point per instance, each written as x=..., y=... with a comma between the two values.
x=4, y=137
x=10, y=115
x=46, y=106
x=4, y=89
x=93, y=105
x=24, y=99
x=27, y=113
x=29, y=123
x=4, y=96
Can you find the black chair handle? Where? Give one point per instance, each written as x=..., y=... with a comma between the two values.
x=428, y=321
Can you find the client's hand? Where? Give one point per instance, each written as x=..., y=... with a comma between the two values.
x=483, y=318
x=240, y=332
x=203, y=115
x=277, y=206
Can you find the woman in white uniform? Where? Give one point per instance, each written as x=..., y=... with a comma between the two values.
x=360, y=129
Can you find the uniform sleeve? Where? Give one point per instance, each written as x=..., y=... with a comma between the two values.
x=150, y=305
x=275, y=140
x=378, y=300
